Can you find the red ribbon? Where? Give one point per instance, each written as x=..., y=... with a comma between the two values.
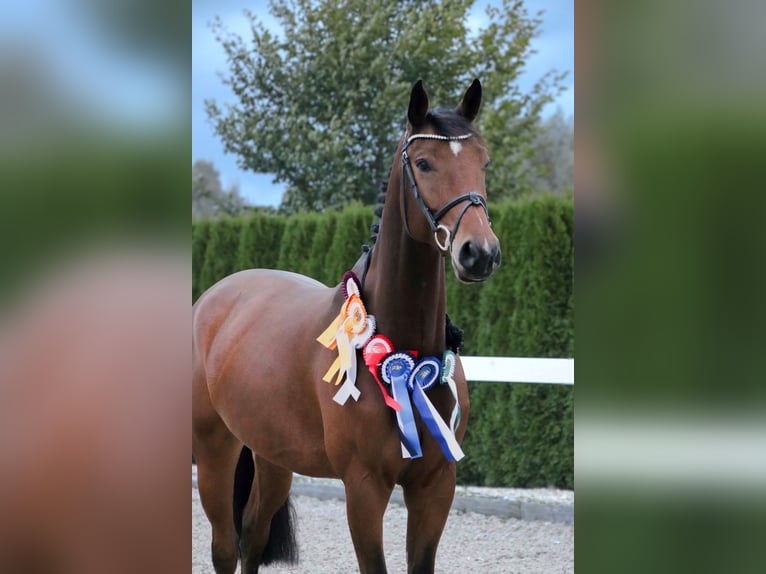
x=374, y=352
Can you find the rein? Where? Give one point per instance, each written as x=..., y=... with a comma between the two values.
x=472, y=197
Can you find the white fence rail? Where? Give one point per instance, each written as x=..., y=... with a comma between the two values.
x=519, y=370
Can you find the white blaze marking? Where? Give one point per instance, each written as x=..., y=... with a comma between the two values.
x=486, y=245
x=455, y=147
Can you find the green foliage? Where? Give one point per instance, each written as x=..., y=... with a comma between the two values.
x=320, y=248
x=321, y=107
x=518, y=435
x=200, y=235
x=296, y=243
x=221, y=252
x=523, y=434
x=551, y=166
x=209, y=199
x=259, y=242
x=352, y=231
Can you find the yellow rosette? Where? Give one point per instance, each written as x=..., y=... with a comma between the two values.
x=349, y=331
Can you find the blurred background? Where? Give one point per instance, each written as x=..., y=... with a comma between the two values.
x=670, y=456
x=94, y=259
x=94, y=112
x=95, y=127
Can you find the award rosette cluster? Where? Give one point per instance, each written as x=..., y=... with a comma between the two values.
x=349, y=331
x=406, y=376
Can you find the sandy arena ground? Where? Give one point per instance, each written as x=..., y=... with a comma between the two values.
x=470, y=543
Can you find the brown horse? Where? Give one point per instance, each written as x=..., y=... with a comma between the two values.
x=261, y=410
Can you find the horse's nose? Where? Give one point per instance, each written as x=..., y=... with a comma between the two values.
x=479, y=261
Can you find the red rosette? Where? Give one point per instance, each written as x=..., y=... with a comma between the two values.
x=377, y=345
x=376, y=349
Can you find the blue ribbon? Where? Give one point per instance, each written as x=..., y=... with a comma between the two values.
x=395, y=370
x=424, y=376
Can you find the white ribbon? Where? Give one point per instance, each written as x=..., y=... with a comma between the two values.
x=449, y=364
x=349, y=388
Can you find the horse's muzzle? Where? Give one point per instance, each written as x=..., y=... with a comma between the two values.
x=477, y=262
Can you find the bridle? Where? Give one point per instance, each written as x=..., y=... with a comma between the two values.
x=472, y=197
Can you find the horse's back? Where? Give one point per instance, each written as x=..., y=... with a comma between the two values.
x=254, y=282
x=251, y=298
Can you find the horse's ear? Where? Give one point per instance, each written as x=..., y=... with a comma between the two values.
x=469, y=107
x=418, y=109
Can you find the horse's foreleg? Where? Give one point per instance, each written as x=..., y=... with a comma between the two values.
x=428, y=504
x=267, y=528
x=366, y=500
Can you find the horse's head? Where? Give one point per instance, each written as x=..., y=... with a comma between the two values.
x=444, y=201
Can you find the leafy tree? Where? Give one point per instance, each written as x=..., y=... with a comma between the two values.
x=209, y=199
x=321, y=105
x=551, y=166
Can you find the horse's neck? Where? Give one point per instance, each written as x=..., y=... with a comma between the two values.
x=404, y=287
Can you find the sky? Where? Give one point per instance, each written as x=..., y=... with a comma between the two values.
x=75, y=55
x=555, y=47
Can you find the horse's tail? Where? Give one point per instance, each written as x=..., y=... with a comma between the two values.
x=282, y=546
x=243, y=482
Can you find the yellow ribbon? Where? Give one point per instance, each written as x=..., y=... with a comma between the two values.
x=351, y=322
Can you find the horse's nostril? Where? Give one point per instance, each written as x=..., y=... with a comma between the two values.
x=469, y=255
x=479, y=263
x=497, y=257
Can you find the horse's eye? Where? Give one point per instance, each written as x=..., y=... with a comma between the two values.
x=486, y=165
x=423, y=165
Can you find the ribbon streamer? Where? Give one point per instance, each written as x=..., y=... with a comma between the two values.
x=374, y=352
x=348, y=342
x=449, y=364
x=423, y=377
x=349, y=331
x=395, y=370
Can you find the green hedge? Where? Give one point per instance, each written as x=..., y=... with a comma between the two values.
x=522, y=434
x=518, y=435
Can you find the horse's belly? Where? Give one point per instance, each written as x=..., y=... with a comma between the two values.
x=276, y=422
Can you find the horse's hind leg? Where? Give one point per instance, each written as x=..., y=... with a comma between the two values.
x=428, y=503
x=216, y=451
x=216, y=464
x=267, y=522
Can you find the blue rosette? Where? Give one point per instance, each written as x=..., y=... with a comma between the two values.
x=395, y=370
x=425, y=374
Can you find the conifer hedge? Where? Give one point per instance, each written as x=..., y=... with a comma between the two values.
x=519, y=434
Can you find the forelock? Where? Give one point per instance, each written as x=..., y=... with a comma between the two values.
x=449, y=123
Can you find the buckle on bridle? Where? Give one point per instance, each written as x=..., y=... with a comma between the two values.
x=447, y=237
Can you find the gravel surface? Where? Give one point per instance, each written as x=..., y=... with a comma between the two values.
x=485, y=544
